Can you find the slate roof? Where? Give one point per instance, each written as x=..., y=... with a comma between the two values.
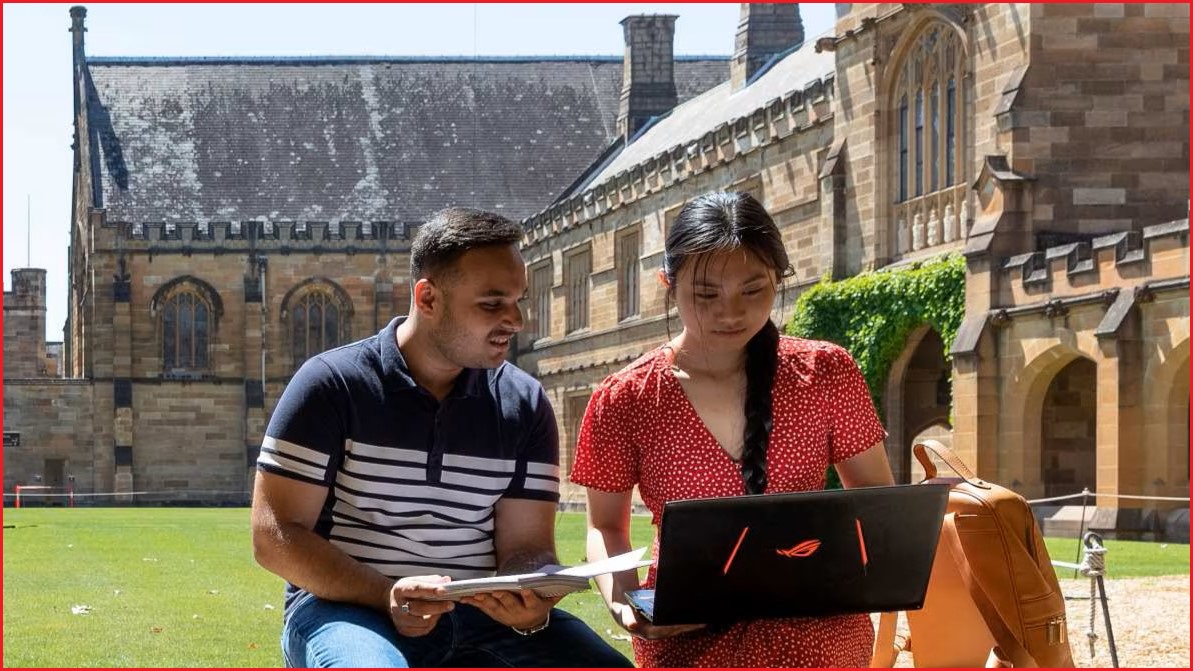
x=355, y=139
x=689, y=121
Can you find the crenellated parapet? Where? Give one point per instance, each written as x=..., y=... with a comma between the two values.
x=1118, y=260
x=794, y=112
x=28, y=289
x=284, y=236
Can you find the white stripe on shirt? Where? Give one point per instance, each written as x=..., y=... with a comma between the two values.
x=278, y=460
x=294, y=450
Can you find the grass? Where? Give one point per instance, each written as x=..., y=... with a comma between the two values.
x=178, y=587
x=1125, y=559
x=166, y=587
x=589, y=606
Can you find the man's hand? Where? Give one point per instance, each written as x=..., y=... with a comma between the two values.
x=412, y=615
x=522, y=609
x=624, y=615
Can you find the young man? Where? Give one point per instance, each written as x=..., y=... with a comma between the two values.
x=396, y=463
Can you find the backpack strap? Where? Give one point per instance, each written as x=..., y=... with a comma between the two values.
x=921, y=449
x=1006, y=641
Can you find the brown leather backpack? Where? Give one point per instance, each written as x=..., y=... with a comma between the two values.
x=993, y=598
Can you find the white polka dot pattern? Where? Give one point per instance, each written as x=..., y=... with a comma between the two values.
x=640, y=429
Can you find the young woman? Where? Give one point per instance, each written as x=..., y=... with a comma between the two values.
x=727, y=407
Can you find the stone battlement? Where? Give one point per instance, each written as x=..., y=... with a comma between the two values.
x=28, y=289
x=331, y=236
x=1115, y=260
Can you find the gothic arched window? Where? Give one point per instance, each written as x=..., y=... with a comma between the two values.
x=317, y=314
x=187, y=309
x=928, y=169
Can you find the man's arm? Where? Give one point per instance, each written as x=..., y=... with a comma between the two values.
x=284, y=542
x=524, y=539
x=524, y=535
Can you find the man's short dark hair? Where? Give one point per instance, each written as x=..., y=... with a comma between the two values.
x=455, y=230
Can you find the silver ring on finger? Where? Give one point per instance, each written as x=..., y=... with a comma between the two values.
x=405, y=607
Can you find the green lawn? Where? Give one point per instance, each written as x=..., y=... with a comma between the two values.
x=166, y=587
x=178, y=587
x=1125, y=559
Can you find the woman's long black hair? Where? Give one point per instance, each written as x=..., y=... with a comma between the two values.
x=725, y=221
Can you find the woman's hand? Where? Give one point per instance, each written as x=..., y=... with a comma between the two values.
x=625, y=616
x=409, y=610
x=522, y=609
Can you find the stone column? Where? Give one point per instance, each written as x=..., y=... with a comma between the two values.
x=122, y=386
x=1120, y=449
x=255, y=348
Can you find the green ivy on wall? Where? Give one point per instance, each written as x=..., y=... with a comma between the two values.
x=872, y=314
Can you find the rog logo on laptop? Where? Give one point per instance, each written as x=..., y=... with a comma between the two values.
x=804, y=549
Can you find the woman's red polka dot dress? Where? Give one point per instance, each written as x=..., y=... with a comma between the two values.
x=640, y=429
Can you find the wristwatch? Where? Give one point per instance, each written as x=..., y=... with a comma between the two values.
x=535, y=629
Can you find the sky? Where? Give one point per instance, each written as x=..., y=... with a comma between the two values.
x=37, y=73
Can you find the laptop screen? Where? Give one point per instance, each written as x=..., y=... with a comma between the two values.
x=797, y=554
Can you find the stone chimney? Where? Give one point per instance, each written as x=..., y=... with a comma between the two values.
x=648, y=74
x=764, y=30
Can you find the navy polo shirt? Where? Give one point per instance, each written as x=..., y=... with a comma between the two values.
x=412, y=482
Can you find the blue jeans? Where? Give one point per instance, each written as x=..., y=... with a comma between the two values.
x=319, y=633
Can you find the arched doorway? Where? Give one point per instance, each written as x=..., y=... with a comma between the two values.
x=1068, y=430
x=918, y=398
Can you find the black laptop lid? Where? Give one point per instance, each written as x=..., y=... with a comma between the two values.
x=798, y=554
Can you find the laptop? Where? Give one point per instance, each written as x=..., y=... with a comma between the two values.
x=816, y=553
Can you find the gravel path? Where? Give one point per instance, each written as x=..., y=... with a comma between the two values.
x=1150, y=618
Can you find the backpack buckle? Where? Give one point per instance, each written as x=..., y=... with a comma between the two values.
x=1057, y=632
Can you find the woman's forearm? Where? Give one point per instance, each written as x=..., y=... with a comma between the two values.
x=605, y=543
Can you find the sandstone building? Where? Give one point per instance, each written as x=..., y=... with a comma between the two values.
x=232, y=216
x=1048, y=144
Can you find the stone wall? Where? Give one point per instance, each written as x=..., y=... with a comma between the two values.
x=189, y=441
x=196, y=438
x=55, y=420
x=1102, y=121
